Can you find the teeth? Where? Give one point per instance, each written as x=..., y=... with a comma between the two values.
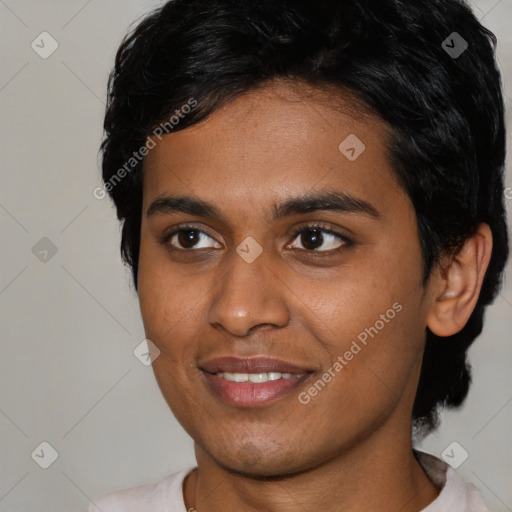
x=257, y=377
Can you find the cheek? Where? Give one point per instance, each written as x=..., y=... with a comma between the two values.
x=371, y=317
x=173, y=302
x=166, y=302
x=370, y=366
x=345, y=305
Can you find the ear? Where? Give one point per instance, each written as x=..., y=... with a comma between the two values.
x=457, y=284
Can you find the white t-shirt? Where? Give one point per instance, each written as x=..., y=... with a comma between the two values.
x=167, y=495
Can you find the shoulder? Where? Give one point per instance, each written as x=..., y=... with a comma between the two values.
x=156, y=497
x=455, y=494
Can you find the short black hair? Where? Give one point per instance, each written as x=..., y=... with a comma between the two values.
x=445, y=112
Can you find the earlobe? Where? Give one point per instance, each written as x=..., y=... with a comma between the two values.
x=457, y=286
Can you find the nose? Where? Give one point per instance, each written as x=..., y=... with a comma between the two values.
x=251, y=295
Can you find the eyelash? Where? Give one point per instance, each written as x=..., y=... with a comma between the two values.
x=299, y=231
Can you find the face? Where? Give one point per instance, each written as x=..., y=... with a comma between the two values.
x=228, y=284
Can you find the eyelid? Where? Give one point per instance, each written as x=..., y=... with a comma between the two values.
x=184, y=227
x=320, y=225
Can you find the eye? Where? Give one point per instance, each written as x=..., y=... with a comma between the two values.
x=313, y=238
x=187, y=238
x=319, y=239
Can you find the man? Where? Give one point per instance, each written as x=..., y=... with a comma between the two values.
x=312, y=205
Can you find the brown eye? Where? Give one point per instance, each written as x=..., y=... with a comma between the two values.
x=311, y=239
x=188, y=238
x=321, y=240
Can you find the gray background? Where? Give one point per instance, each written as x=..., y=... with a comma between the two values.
x=70, y=324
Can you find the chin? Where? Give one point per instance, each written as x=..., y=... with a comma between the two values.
x=260, y=462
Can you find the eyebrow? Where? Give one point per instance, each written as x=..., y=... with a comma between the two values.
x=330, y=200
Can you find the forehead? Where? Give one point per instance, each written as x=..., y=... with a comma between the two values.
x=280, y=140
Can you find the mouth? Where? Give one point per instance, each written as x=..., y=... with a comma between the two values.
x=253, y=382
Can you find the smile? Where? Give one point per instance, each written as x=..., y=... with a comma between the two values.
x=257, y=378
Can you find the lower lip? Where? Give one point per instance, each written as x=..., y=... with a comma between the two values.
x=247, y=394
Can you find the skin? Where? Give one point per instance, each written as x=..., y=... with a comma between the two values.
x=349, y=448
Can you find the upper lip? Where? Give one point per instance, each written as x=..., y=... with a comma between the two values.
x=251, y=365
